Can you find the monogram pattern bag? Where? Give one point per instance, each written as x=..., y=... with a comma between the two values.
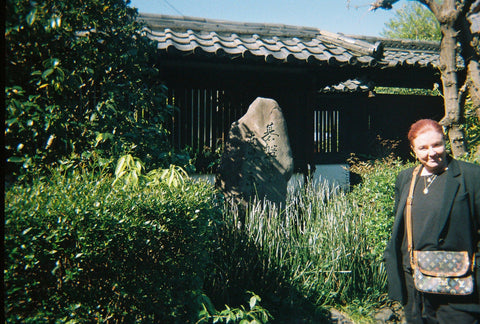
x=443, y=272
x=438, y=272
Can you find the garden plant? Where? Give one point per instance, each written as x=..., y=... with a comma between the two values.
x=79, y=249
x=84, y=245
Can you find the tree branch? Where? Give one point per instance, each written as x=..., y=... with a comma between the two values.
x=461, y=8
x=383, y=4
x=433, y=6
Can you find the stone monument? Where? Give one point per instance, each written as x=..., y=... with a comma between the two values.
x=257, y=160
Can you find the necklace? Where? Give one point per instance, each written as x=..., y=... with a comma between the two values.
x=427, y=181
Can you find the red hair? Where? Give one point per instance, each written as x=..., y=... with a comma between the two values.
x=421, y=126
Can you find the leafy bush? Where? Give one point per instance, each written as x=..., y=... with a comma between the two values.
x=375, y=194
x=206, y=160
x=79, y=79
x=472, y=130
x=78, y=250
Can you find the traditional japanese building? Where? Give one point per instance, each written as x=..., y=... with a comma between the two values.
x=325, y=83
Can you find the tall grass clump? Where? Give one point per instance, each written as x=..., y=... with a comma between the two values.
x=323, y=249
x=79, y=250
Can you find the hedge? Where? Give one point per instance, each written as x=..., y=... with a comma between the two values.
x=79, y=251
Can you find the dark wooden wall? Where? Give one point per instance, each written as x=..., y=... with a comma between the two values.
x=323, y=128
x=368, y=123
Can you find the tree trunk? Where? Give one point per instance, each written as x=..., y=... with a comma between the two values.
x=453, y=107
x=447, y=17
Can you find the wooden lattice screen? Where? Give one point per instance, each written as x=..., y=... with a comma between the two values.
x=326, y=131
x=203, y=117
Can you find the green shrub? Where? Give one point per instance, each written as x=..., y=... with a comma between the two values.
x=472, y=131
x=80, y=79
x=376, y=194
x=78, y=250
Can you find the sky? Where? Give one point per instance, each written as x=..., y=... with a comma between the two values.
x=330, y=15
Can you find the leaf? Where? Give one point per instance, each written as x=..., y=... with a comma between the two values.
x=31, y=17
x=61, y=74
x=46, y=73
x=253, y=301
x=11, y=121
x=53, y=23
x=16, y=159
x=58, y=21
x=120, y=166
x=58, y=265
x=138, y=166
x=134, y=178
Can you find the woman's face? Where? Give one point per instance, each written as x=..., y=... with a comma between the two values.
x=429, y=147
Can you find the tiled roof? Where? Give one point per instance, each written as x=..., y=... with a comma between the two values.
x=283, y=44
x=402, y=52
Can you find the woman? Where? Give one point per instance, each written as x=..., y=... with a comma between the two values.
x=445, y=216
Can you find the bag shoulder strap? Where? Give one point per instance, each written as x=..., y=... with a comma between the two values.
x=408, y=213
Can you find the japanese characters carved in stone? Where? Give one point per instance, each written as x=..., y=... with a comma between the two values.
x=257, y=160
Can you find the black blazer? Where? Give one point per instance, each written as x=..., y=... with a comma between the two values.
x=457, y=228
